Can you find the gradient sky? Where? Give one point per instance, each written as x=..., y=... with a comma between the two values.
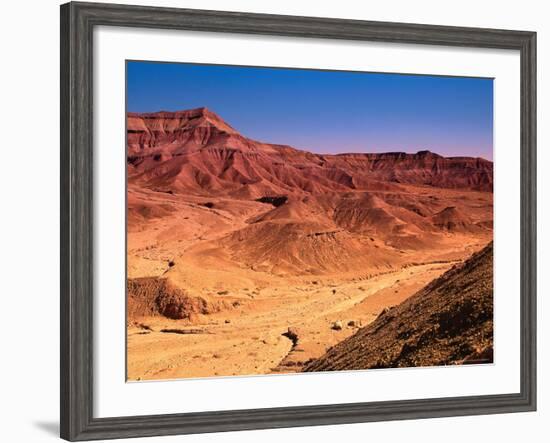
x=327, y=111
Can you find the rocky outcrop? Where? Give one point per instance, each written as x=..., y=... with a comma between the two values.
x=153, y=296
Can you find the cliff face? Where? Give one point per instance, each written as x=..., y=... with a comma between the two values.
x=197, y=150
x=150, y=130
x=450, y=321
x=424, y=167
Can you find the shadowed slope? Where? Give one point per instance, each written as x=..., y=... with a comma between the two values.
x=450, y=321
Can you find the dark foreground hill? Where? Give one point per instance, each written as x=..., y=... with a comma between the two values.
x=450, y=321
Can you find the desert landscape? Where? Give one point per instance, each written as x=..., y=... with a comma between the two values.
x=252, y=258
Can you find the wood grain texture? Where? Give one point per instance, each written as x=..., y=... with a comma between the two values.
x=77, y=23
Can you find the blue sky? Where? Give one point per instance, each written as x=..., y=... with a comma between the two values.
x=327, y=111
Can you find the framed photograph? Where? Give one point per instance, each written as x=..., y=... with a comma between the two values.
x=273, y=221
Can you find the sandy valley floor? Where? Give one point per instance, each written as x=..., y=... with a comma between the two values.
x=270, y=321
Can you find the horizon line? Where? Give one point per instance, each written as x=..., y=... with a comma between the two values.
x=392, y=152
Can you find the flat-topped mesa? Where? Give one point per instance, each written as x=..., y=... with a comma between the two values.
x=428, y=158
x=420, y=155
x=423, y=167
x=149, y=130
x=399, y=157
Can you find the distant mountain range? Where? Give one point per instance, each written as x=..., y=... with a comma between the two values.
x=300, y=211
x=197, y=151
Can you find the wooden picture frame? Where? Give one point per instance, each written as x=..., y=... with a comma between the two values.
x=77, y=23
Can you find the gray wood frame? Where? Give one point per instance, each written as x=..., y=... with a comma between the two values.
x=77, y=24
